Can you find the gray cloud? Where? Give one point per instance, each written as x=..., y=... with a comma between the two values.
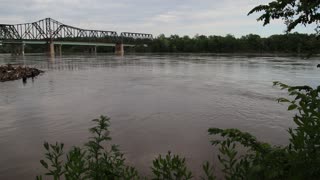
x=181, y=17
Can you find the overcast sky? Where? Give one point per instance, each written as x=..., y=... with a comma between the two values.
x=182, y=17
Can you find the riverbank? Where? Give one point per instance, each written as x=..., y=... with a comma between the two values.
x=11, y=72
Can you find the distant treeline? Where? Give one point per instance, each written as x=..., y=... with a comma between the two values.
x=287, y=43
x=294, y=43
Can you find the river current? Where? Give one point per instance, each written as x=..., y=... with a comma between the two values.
x=156, y=102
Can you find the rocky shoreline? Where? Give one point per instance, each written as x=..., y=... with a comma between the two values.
x=11, y=72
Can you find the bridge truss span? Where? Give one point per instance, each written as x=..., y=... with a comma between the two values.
x=55, y=34
x=50, y=29
x=136, y=35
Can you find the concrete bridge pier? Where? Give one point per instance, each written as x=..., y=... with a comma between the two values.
x=119, y=49
x=22, y=49
x=93, y=50
x=18, y=49
x=51, y=48
x=58, y=49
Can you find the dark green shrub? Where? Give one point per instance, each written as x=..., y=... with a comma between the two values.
x=170, y=167
x=300, y=159
x=208, y=171
x=94, y=161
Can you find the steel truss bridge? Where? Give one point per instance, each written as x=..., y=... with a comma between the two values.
x=55, y=34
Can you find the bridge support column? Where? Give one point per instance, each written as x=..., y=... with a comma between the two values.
x=18, y=49
x=14, y=50
x=58, y=49
x=22, y=49
x=93, y=50
x=51, y=48
x=119, y=50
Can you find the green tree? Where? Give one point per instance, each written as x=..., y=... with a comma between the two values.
x=293, y=12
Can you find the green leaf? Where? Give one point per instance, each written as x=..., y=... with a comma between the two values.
x=282, y=100
x=292, y=107
x=46, y=146
x=44, y=164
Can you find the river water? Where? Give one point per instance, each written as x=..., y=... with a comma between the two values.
x=157, y=102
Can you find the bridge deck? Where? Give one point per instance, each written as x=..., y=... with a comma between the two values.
x=71, y=43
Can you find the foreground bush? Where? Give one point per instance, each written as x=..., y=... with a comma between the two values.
x=95, y=161
x=300, y=159
x=90, y=162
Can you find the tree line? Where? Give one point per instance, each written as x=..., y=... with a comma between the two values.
x=286, y=43
x=294, y=43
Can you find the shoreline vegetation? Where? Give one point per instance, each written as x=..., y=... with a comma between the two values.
x=291, y=43
x=12, y=72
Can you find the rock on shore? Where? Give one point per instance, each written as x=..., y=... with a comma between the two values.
x=13, y=72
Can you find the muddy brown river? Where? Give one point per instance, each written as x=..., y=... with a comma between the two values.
x=157, y=102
